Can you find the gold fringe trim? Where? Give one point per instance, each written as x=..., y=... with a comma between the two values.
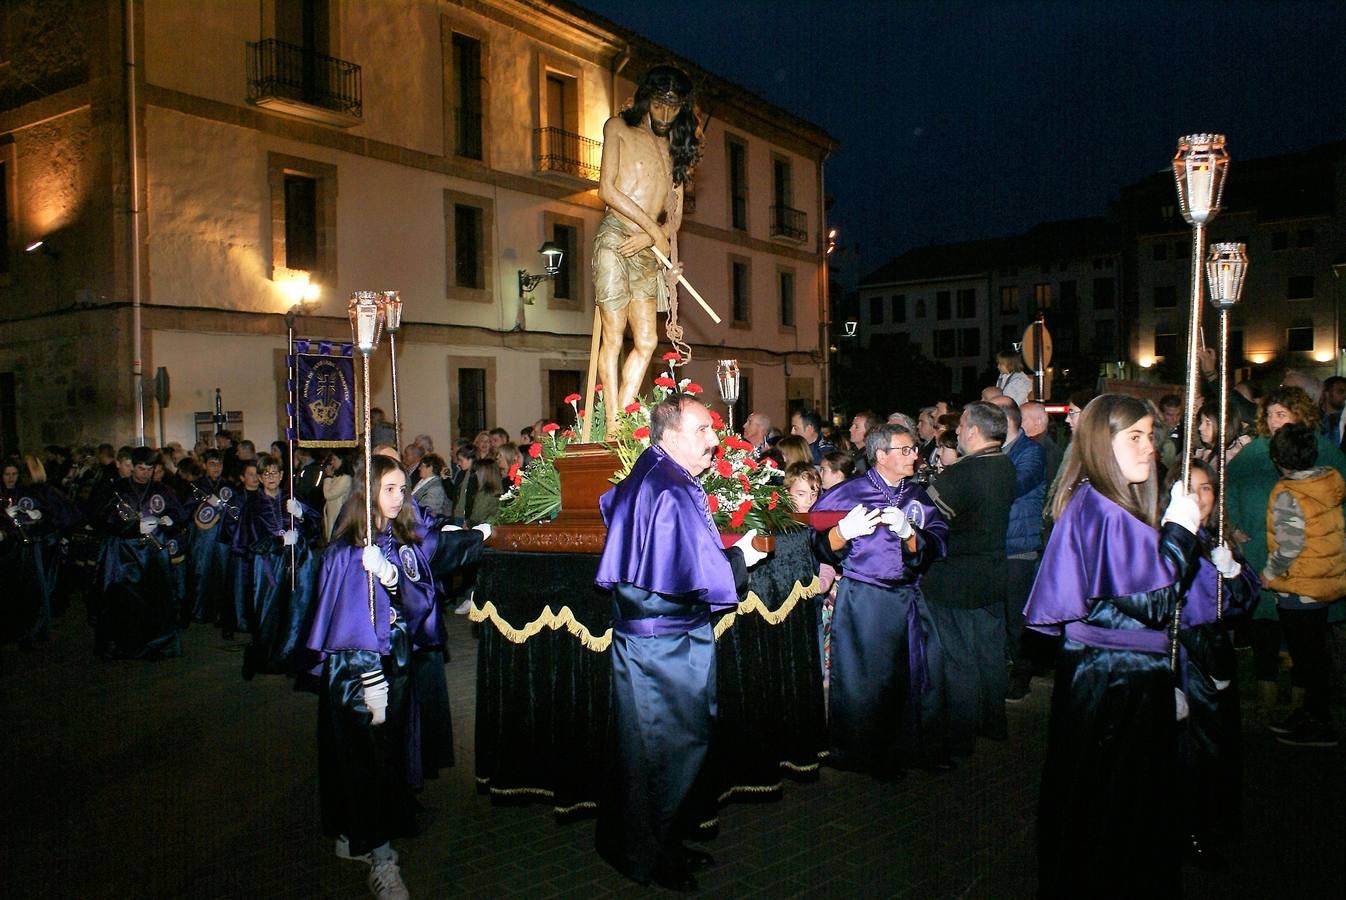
x=553, y=620
x=565, y=618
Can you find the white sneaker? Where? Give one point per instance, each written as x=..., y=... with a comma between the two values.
x=463, y=608
x=385, y=881
x=343, y=851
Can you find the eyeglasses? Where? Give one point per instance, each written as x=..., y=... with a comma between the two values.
x=1073, y=414
x=906, y=450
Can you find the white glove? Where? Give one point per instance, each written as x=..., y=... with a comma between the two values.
x=148, y=524
x=215, y=501
x=858, y=523
x=1182, y=509
x=485, y=529
x=294, y=508
x=377, y=564
x=1224, y=561
x=751, y=555
x=452, y=528
x=34, y=515
x=376, y=695
x=289, y=537
x=1180, y=708
x=166, y=521
x=12, y=511
x=897, y=523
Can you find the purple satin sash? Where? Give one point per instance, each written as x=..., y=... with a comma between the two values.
x=660, y=626
x=918, y=667
x=1145, y=640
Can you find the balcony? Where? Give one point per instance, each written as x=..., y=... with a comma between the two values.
x=789, y=223
x=568, y=153
x=289, y=79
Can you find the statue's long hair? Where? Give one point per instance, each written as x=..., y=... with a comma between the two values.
x=684, y=139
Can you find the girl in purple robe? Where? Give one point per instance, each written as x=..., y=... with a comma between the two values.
x=1111, y=578
x=368, y=748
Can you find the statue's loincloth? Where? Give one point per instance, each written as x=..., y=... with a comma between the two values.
x=620, y=279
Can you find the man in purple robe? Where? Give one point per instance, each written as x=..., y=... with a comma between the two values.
x=886, y=662
x=667, y=570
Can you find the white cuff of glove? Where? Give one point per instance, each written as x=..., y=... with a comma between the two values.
x=1182, y=509
x=377, y=564
x=375, y=695
x=34, y=515
x=166, y=521
x=452, y=528
x=289, y=537
x=12, y=511
x=294, y=508
x=856, y=523
x=148, y=524
x=751, y=555
x=1225, y=563
x=485, y=529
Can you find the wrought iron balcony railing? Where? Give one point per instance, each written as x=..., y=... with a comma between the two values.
x=790, y=223
x=280, y=74
x=564, y=151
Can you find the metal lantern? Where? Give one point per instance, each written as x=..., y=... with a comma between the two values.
x=727, y=379
x=366, y=315
x=1226, y=270
x=392, y=321
x=392, y=311
x=1199, y=169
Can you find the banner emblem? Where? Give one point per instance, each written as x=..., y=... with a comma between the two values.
x=409, y=563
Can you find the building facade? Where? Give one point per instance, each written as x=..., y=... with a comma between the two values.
x=187, y=183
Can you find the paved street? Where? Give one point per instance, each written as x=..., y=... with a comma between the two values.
x=178, y=779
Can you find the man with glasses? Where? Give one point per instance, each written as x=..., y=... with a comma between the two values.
x=886, y=666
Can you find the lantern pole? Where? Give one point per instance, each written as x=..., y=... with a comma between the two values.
x=1226, y=272
x=366, y=316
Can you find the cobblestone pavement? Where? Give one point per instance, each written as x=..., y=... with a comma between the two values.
x=178, y=779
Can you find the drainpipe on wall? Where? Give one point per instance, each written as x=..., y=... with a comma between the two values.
x=133, y=151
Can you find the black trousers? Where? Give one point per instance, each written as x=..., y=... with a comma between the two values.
x=1306, y=636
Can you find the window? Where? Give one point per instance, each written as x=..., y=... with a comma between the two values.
x=737, y=152
x=920, y=307
x=1299, y=340
x=471, y=402
x=943, y=305
x=1159, y=252
x=946, y=342
x=1105, y=336
x=1042, y=296
x=1299, y=287
x=1069, y=294
x=466, y=94
x=303, y=215
x=1166, y=345
x=740, y=290
x=782, y=182
x=562, y=110
x=1306, y=237
x=1182, y=250
x=1009, y=299
x=787, y=299
x=899, y=307
x=1280, y=240
x=561, y=383
x=468, y=250
x=5, y=169
x=969, y=342
x=1165, y=297
x=875, y=310
x=1105, y=293
x=467, y=241
x=565, y=285
x=967, y=303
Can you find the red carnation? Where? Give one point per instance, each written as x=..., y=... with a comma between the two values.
x=535, y=450
x=549, y=427
x=632, y=407
x=568, y=433
x=771, y=463
x=775, y=498
x=665, y=382
x=641, y=433
x=719, y=451
x=715, y=421
x=573, y=398
x=736, y=520
x=598, y=389
x=513, y=474
x=692, y=388
x=724, y=468
x=714, y=503
x=743, y=480
x=670, y=356
x=750, y=464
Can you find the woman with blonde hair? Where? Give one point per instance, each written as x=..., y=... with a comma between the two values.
x=1012, y=381
x=794, y=449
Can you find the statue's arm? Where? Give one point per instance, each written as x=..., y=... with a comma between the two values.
x=609, y=169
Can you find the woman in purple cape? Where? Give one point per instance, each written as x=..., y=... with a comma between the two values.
x=368, y=747
x=1111, y=578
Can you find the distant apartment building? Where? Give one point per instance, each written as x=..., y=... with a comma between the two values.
x=168, y=204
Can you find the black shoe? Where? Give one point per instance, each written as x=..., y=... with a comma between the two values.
x=675, y=878
x=1311, y=732
x=696, y=860
x=1290, y=723
x=1019, y=687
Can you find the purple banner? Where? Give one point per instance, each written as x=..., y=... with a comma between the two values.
x=324, y=377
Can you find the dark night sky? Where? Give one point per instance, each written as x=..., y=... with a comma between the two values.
x=961, y=120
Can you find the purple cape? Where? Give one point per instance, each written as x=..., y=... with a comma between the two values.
x=661, y=537
x=341, y=610
x=1097, y=550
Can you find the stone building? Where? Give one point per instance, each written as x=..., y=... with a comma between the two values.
x=178, y=171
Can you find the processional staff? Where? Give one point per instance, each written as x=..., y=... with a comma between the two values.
x=392, y=323
x=1226, y=270
x=1199, y=170
x=366, y=312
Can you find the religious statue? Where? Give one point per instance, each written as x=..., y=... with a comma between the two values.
x=649, y=152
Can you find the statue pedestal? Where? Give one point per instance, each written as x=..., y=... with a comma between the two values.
x=585, y=472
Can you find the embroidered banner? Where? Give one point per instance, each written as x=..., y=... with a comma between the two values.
x=324, y=388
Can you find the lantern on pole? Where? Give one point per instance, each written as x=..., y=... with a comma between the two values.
x=366, y=313
x=392, y=321
x=727, y=379
x=1226, y=271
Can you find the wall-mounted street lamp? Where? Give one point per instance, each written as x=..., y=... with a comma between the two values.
x=849, y=326
x=43, y=247
x=552, y=254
